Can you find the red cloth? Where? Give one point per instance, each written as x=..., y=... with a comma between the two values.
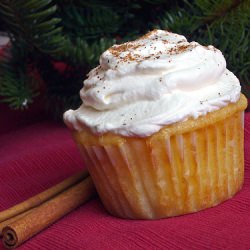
x=40, y=155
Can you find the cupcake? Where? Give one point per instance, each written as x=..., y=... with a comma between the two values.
x=160, y=128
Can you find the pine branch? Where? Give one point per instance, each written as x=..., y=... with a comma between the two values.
x=89, y=22
x=34, y=23
x=81, y=52
x=220, y=12
x=18, y=85
x=94, y=3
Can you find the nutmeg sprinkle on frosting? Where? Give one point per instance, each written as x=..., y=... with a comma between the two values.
x=149, y=47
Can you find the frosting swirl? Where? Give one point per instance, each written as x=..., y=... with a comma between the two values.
x=156, y=80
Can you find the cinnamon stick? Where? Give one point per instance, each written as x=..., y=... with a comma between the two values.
x=5, y=223
x=44, y=215
x=40, y=198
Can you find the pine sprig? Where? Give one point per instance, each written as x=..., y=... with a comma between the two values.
x=80, y=51
x=18, y=85
x=90, y=22
x=34, y=23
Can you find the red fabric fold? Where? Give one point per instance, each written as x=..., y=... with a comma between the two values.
x=40, y=155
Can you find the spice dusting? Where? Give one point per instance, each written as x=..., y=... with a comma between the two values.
x=148, y=44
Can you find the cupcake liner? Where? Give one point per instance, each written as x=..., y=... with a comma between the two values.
x=168, y=175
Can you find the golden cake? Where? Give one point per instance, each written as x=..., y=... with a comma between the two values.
x=161, y=127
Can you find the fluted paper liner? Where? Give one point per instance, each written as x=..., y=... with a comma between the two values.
x=170, y=173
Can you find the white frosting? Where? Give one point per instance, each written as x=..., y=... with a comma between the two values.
x=159, y=79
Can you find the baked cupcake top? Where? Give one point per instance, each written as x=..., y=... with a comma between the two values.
x=156, y=80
